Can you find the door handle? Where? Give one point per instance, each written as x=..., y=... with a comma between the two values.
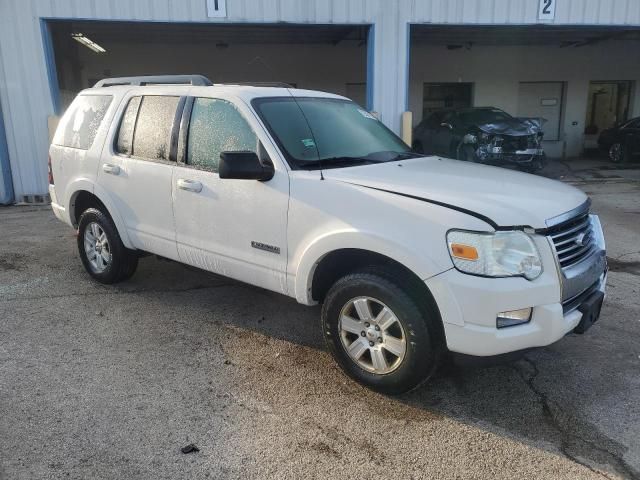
x=189, y=185
x=112, y=169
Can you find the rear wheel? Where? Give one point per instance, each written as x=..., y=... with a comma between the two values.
x=102, y=252
x=379, y=334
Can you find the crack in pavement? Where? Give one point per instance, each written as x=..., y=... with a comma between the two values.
x=572, y=440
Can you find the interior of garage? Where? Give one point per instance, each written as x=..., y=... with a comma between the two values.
x=321, y=57
x=581, y=80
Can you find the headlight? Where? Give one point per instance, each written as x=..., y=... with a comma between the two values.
x=495, y=254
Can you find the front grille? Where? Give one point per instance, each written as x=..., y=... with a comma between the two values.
x=574, y=240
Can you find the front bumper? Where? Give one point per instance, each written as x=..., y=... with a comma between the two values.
x=489, y=154
x=469, y=306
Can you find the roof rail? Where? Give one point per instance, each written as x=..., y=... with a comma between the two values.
x=260, y=84
x=198, y=80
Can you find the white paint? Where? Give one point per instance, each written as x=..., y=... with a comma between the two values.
x=213, y=227
x=26, y=96
x=307, y=216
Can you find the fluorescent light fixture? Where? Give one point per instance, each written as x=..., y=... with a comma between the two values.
x=80, y=38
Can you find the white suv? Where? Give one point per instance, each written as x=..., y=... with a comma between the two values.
x=307, y=194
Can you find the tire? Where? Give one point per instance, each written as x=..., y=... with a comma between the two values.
x=536, y=165
x=618, y=152
x=414, y=323
x=119, y=264
x=466, y=153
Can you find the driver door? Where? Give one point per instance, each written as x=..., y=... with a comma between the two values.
x=236, y=228
x=443, y=135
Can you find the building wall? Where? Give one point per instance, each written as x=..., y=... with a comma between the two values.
x=27, y=86
x=497, y=71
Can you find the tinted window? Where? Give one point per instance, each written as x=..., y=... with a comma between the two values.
x=79, y=126
x=216, y=126
x=152, y=136
x=125, y=133
x=434, y=120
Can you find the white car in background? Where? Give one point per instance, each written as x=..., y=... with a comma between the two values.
x=307, y=194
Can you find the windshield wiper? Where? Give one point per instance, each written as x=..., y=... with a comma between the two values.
x=406, y=156
x=336, y=162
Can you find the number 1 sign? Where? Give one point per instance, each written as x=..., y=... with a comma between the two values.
x=216, y=8
x=547, y=9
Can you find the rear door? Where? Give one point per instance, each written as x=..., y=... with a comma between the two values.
x=237, y=228
x=137, y=169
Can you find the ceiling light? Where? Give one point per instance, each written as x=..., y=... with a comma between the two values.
x=80, y=38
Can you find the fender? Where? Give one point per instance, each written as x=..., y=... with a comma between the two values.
x=307, y=260
x=85, y=184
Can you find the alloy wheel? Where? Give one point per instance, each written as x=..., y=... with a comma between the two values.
x=616, y=153
x=96, y=246
x=372, y=335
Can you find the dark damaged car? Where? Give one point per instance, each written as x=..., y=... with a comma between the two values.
x=483, y=135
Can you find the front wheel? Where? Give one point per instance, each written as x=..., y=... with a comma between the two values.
x=618, y=153
x=466, y=153
x=379, y=334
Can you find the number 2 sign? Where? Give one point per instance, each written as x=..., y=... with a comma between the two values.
x=547, y=9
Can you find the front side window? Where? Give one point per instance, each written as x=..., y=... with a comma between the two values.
x=327, y=133
x=216, y=126
x=79, y=126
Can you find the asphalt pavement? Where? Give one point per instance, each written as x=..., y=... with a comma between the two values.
x=112, y=381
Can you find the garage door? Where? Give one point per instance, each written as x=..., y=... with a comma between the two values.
x=542, y=99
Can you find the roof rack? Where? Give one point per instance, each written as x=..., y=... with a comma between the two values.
x=196, y=80
x=260, y=84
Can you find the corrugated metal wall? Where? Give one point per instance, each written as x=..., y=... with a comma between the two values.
x=25, y=90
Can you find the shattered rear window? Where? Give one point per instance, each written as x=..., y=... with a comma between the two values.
x=79, y=125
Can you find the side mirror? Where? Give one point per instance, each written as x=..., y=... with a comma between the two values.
x=244, y=166
x=447, y=125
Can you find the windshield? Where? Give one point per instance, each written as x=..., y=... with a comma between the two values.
x=327, y=133
x=482, y=116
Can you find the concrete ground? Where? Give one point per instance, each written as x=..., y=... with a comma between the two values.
x=111, y=381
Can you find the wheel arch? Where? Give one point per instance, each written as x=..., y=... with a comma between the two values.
x=336, y=253
x=92, y=196
x=338, y=263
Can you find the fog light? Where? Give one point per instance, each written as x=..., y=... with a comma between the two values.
x=513, y=317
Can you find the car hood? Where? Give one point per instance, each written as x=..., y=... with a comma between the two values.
x=515, y=127
x=501, y=197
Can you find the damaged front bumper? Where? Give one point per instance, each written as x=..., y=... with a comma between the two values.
x=491, y=154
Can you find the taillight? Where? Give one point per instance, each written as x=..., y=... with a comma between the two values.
x=50, y=172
